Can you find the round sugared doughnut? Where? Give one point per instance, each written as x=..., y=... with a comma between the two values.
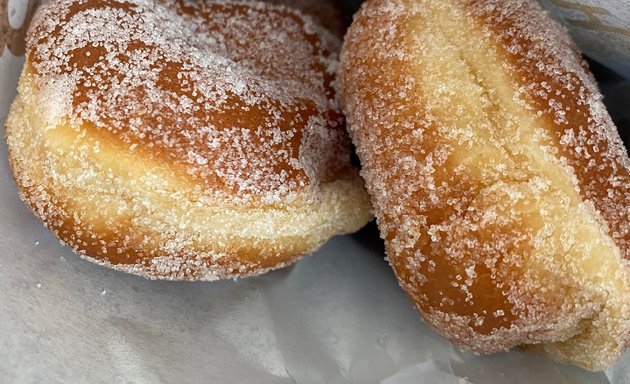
x=183, y=140
x=499, y=182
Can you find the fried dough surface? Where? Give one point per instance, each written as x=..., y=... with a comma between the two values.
x=499, y=183
x=183, y=140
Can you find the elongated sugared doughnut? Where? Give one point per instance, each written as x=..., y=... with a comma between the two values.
x=183, y=140
x=499, y=182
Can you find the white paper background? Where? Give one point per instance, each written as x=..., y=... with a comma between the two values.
x=336, y=317
x=601, y=28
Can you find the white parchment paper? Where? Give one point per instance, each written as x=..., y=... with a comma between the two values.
x=601, y=28
x=335, y=317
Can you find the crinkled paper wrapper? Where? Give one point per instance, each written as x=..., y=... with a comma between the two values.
x=335, y=317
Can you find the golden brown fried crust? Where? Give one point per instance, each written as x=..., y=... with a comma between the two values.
x=174, y=132
x=499, y=182
x=136, y=251
x=598, y=158
x=165, y=144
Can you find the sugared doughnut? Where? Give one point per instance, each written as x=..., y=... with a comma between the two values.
x=499, y=182
x=183, y=140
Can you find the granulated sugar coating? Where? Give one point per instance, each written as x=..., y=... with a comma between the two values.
x=499, y=182
x=184, y=140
